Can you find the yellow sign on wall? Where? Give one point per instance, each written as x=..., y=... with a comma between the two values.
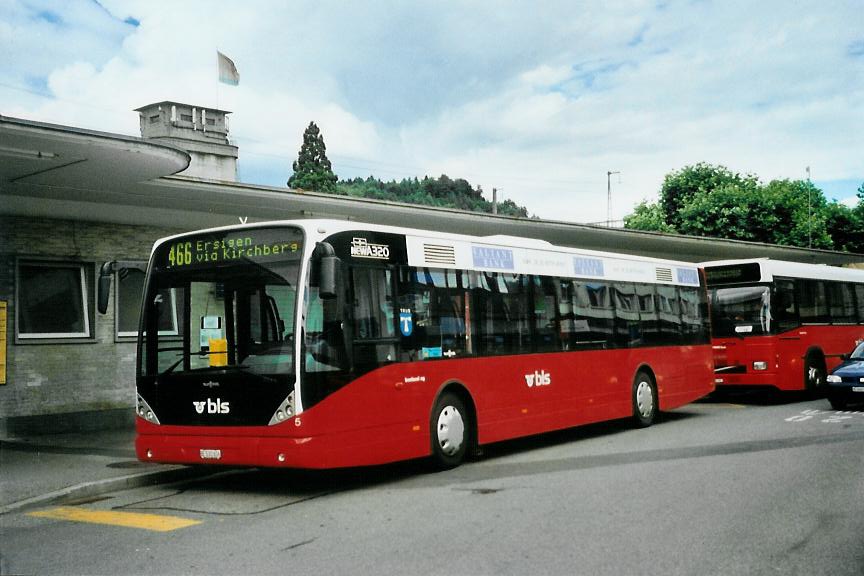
x=2, y=342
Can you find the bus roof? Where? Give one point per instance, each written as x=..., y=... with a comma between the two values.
x=769, y=269
x=499, y=253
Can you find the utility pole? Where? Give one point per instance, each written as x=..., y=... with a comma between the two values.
x=809, y=213
x=494, y=201
x=609, y=197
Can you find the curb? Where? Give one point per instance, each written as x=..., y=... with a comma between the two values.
x=100, y=487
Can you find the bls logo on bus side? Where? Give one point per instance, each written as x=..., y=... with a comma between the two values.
x=217, y=407
x=541, y=378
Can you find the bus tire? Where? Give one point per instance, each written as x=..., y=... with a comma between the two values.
x=814, y=374
x=645, y=401
x=450, y=428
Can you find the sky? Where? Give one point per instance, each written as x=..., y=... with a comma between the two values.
x=539, y=100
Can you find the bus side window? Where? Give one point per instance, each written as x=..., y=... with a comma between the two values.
x=669, y=315
x=628, y=331
x=842, y=300
x=783, y=310
x=812, y=301
x=434, y=313
x=546, y=323
x=859, y=297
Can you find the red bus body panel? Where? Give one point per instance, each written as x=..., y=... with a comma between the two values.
x=785, y=355
x=384, y=415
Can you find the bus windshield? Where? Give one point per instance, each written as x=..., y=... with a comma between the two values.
x=740, y=311
x=222, y=302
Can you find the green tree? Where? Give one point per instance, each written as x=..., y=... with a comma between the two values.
x=706, y=200
x=312, y=169
x=648, y=216
x=775, y=214
x=442, y=192
x=680, y=187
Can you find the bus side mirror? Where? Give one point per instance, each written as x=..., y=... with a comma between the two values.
x=327, y=265
x=105, y=273
x=327, y=278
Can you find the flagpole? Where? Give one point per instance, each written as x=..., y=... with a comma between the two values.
x=217, y=78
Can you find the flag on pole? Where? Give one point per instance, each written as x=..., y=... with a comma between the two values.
x=227, y=71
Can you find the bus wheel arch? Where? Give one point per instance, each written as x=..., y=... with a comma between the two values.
x=644, y=396
x=452, y=426
x=815, y=370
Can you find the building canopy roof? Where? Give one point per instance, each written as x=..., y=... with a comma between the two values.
x=52, y=171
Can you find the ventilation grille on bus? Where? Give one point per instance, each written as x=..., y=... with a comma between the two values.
x=435, y=254
x=664, y=274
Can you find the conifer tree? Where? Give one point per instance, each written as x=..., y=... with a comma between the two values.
x=312, y=169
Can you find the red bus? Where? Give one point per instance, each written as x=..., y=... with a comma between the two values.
x=319, y=343
x=782, y=324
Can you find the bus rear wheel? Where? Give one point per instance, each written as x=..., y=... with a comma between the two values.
x=814, y=375
x=645, y=401
x=450, y=428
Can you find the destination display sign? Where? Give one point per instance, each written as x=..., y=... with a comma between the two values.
x=733, y=274
x=220, y=248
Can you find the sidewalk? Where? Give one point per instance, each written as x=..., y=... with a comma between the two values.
x=38, y=470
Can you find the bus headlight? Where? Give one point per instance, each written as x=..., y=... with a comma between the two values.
x=144, y=410
x=760, y=365
x=285, y=410
x=835, y=379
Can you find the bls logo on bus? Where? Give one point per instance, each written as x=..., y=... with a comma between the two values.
x=541, y=378
x=212, y=407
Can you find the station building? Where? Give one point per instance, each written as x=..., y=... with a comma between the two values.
x=73, y=199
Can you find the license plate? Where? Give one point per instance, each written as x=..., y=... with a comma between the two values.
x=211, y=454
x=857, y=388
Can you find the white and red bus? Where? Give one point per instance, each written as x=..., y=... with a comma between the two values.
x=322, y=343
x=782, y=324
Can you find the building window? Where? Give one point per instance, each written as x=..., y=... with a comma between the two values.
x=54, y=300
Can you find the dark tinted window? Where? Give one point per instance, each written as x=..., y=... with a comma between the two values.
x=694, y=311
x=587, y=314
x=859, y=299
x=668, y=314
x=841, y=297
x=783, y=310
x=545, y=315
x=628, y=330
x=503, y=320
x=812, y=301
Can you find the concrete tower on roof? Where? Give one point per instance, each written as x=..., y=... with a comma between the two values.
x=202, y=132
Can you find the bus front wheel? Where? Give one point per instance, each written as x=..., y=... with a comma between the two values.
x=645, y=401
x=450, y=427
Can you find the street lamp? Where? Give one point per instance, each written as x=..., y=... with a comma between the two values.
x=609, y=197
x=809, y=213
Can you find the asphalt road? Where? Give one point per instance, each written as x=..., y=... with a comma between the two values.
x=741, y=485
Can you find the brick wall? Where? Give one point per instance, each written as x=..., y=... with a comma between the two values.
x=53, y=379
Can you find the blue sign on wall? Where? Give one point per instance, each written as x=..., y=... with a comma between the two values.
x=500, y=258
x=588, y=266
